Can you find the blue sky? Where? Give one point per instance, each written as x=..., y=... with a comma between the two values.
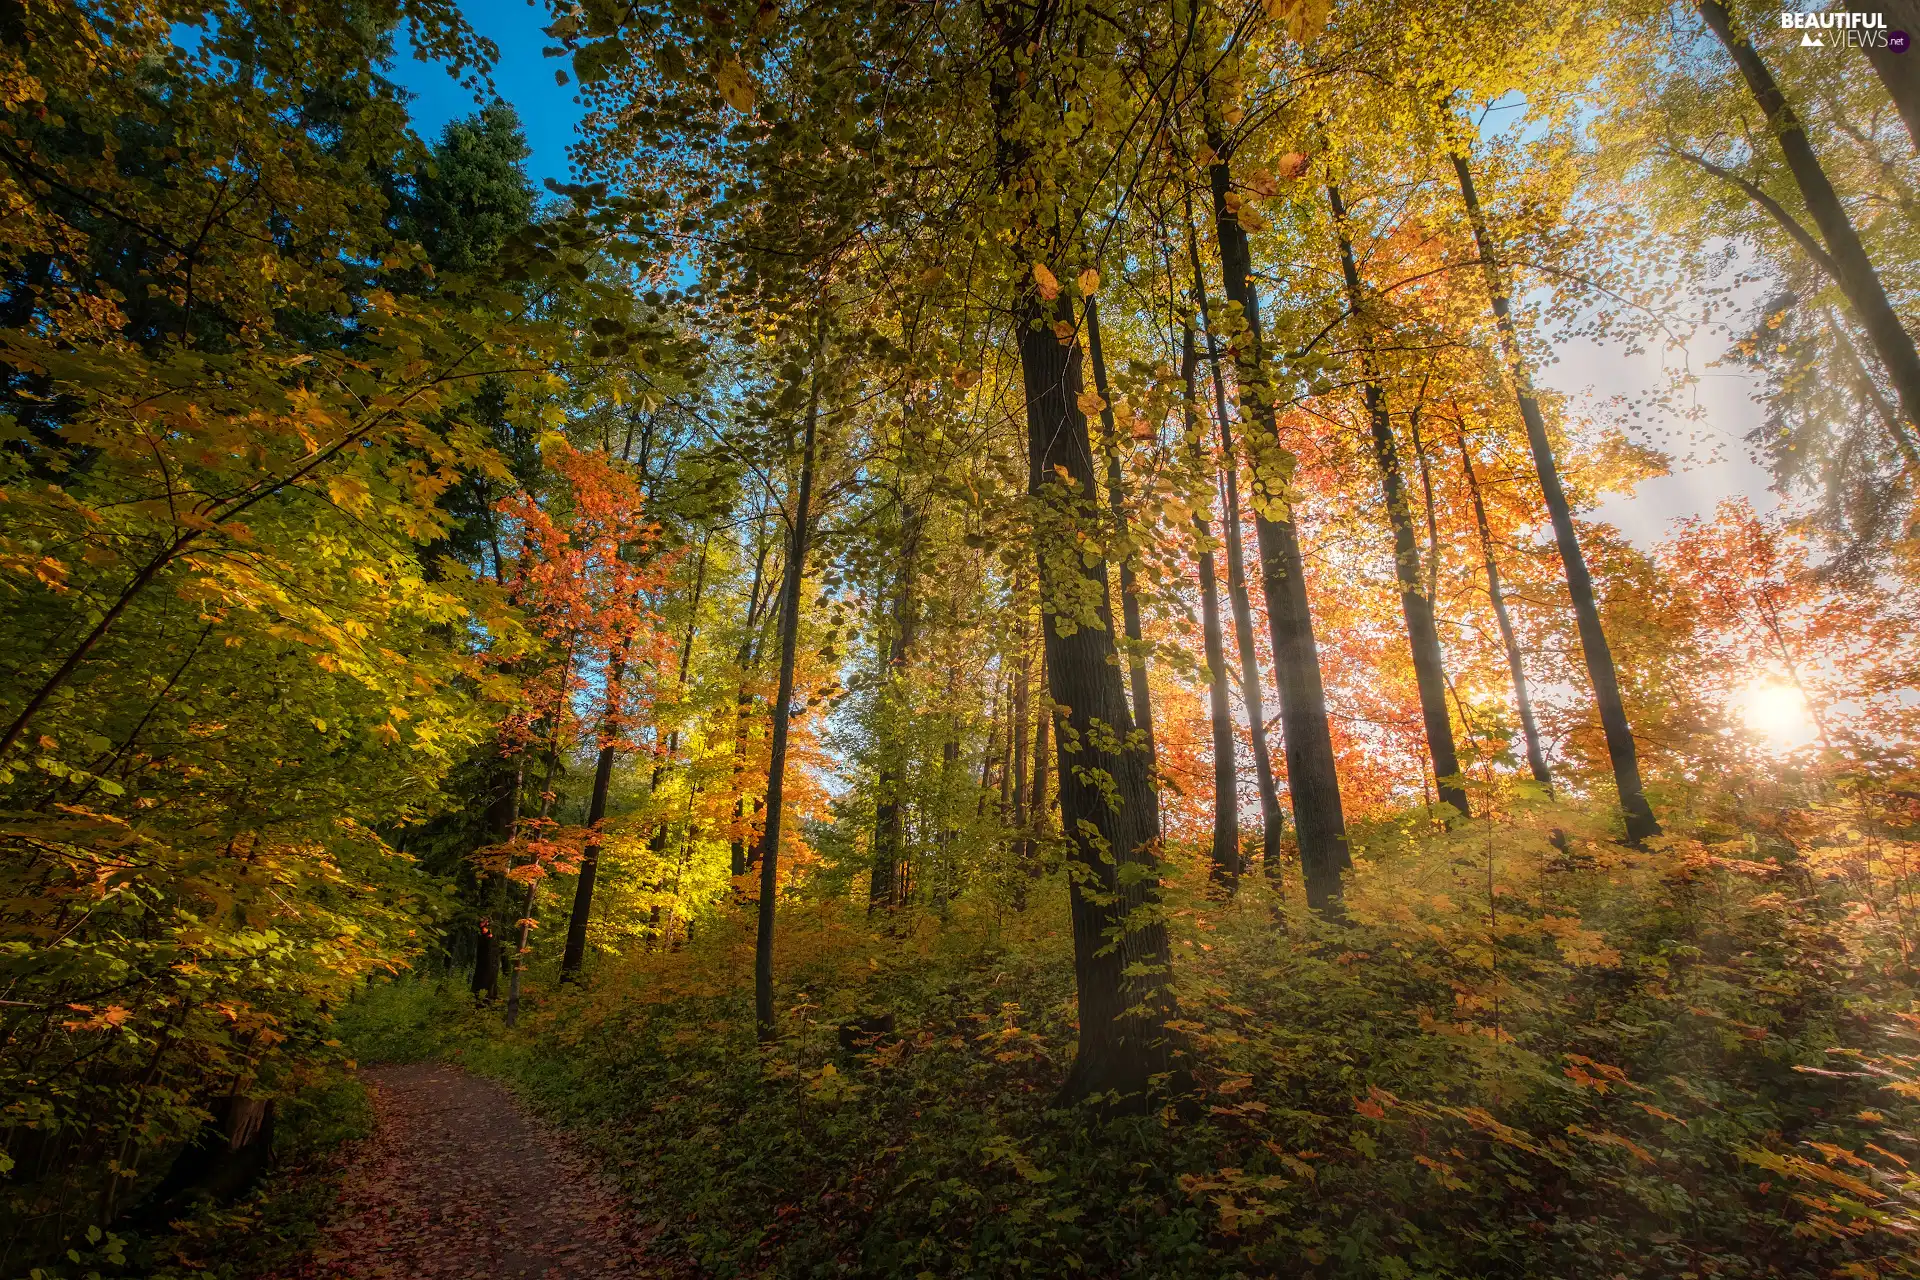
x=548, y=111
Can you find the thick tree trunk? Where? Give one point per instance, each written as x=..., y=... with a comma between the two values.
x=1853, y=271
x=1897, y=71
x=1117, y=501
x=1625, y=758
x=1312, y=779
x=1536, y=758
x=1272, y=822
x=1423, y=637
x=790, y=593
x=1226, y=777
x=1110, y=815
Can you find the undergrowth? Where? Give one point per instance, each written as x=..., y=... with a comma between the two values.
x=1527, y=1051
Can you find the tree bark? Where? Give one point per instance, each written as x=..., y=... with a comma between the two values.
x=1226, y=776
x=1272, y=822
x=1897, y=71
x=1536, y=758
x=1853, y=271
x=1117, y=501
x=1423, y=637
x=790, y=593
x=1312, y=780
x=1640, y=821
x=1109, y=811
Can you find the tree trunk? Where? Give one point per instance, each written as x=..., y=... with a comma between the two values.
x=1117, y=501
x=1897, y=71
x=503, y=819
x=525, y=923
x=1110, y=815
x=888, y=825
x=575, y=954
x=1536, y=758
x=1423, y=637
x=743, y=703
x=1852, y=270
x=1312, y=779
x=1226, y=776
x=1272, y=822
x=1586, y=611
x=1038, y=815
x=1022, y=712
x=790, y=593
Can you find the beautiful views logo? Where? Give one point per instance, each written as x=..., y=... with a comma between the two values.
x=1844, y=29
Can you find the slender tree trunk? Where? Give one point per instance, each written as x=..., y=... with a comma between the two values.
x=1889, y=416
x=575, y=954
x=525, y=924
x=1853, y=271
x=1536, y=758
x=1312, y=779
x=888, y=825
x=743, y=704
x=503, y=821
x=1226, y=776
x=576, y=949
x=1039, y=818
x=1022, y=712
x=1117, y=501
x=992, y=747
x=1109, y=812
x=1897, y=71
x=790, y=594
x=1271, y=819
x=1640, y=821
x=1423, y=637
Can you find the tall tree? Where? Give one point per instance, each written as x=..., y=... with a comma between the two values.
x=1117, y=502
x=1313, y=783
x=800, y=519
x=1845, y=257
x=1625, y=758
x=1226, y=784
x=1516, y=659
x=1240, y=603
x=1110, y=813
x=1423, y=637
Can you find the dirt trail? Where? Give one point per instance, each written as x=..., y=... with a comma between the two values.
x=458, y=1181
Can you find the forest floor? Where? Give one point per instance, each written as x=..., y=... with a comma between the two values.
x=459, y=1181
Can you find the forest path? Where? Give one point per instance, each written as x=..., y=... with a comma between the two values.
x=459, y=1181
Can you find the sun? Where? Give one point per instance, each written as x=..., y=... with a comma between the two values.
x=1775, y=712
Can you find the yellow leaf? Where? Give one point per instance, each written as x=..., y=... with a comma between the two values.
x=1089, y=282
x=1045, y=282
x=1091, y=403
x=1063, y=331
x=735, y=85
